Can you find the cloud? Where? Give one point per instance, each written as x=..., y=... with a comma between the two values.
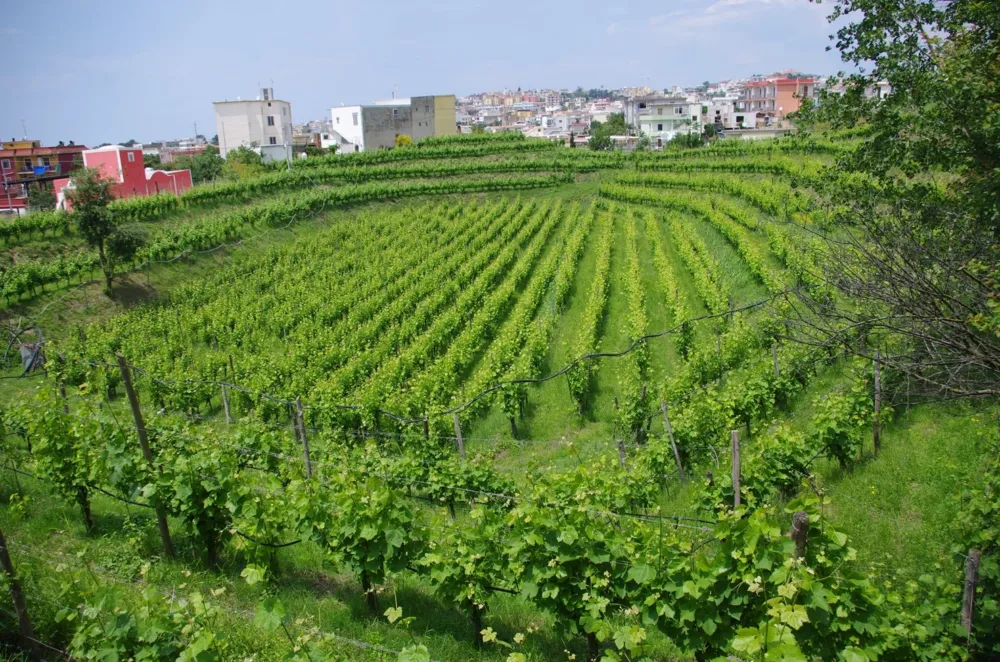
x=10, y=31
x=706, y=24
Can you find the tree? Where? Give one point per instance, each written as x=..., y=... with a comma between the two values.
x=332, y=149
x=243, y=163
x=128, y=143
x=41, y=198
x=478, y=129
x=204, y=167
x=643, y=144
x=572, y=139
x=151, y=160
x=601, y=132
x=90, y=195
x=919, y=252
x=313, y=151
x=403, y=140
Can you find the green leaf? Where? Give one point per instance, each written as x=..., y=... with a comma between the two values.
x=253, y=574
x=270, y=614
x=394, y=614
x=416, y=653
x=853, y=654
x=641, y=574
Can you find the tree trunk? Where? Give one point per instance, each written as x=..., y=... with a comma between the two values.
x=211, y=549
x=83, y=499
x=477, y=625
x=593, y=648
x=370, y=599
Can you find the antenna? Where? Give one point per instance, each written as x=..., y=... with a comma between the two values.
x=23, y=128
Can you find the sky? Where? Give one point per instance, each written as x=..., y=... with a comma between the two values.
x=98, y=71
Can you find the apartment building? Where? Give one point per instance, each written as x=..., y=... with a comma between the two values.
x=262, y=122
x=775, y=97
x=375, y=126
x=662, y=117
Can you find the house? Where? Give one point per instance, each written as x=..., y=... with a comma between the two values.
x=775, y=97
x=24, y=163
x=265, y=121
x=124, y=166
x=721, y=112
x=663, y=117
x=375, y=126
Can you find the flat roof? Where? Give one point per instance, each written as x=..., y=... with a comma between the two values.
x=215, y=103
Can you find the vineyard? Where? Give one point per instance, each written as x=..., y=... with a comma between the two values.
x=482, y=398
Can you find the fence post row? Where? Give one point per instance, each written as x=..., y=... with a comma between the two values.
x=140, y=426
x=673, y=443
x=876, y=432
x=300, y=422
x=969, y=596
x=458, y=437
x=734, y=437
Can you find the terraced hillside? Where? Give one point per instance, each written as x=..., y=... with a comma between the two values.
x=481, y=398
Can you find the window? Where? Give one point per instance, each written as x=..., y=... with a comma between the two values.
x=678, y=110
x=5, y=164
x=268, y=104
x=355, y=116
x=131, y=157
x=338, y=120
x=659, y=111
x=45, y=161
x=270, y=120
x=395, y=112
x=642, y=104
x=659, y=127
x=273, y=140
x=27, y=165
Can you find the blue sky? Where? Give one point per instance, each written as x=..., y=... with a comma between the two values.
x=108, y=70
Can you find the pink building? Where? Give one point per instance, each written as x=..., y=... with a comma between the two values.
x=124, y=166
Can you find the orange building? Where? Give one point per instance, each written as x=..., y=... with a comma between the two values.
x=775, y=97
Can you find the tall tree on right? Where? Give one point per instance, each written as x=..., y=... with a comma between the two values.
x=915, y=209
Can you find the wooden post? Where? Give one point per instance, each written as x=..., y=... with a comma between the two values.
x=140, y=426
x=734, y=437
x=225, y=405
x=17, y=596
x=774, y=358
x=62, y=394
x=621, y=453
x=458, y=437
x=800, y=532
x=969, y=598
x=427, y=428
x=876, y=432
x=301, y=421
x=673, y=443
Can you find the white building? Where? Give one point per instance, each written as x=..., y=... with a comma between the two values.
x=663, y=118
x=265, y=121
x=377, y=125
x=721, y=111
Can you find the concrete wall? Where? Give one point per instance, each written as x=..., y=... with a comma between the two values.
x=444, y=115
x=423, y=111
x=245, y=122
x=381, y=125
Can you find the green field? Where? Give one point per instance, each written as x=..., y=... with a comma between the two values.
x=404, y=299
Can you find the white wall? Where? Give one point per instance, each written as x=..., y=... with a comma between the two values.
x=245, y=122
x=349, y=123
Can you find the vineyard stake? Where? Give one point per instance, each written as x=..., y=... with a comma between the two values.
x=133, y=402
x=774, y=358
x=427, y=428
x=673, y=443
x=969, y=597
x=621, y=453
x=800, y=532
x=17, y=596
x=458, y=437
x=734, y=436
x=225, y=405
x=876, y=432
x=302, y=431
x=62, y=394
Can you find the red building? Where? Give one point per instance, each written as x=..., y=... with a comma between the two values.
x=25, y=162
x=775, y=96
x=124, y=166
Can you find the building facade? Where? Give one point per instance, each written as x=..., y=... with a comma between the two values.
x=376, y=126
x=258, y=123
x=775, y=97
x=663, y=118
x=124, y=166
x=25, y=163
